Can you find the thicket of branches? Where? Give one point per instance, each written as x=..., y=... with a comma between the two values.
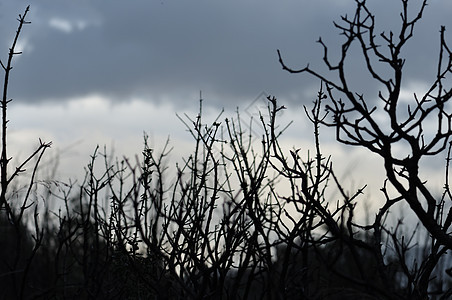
x=218, y=225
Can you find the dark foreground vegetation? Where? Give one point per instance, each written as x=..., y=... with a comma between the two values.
x=218, y=225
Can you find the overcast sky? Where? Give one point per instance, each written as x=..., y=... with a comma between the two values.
x=105, y=71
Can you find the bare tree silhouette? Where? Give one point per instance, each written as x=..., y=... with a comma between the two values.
x=218, y=225
x=356, y=124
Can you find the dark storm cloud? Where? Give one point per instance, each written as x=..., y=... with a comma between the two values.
x=160, y=50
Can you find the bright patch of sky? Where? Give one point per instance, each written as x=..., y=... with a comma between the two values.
x=67, y=26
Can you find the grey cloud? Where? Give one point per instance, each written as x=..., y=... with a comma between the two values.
x=172, y=49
